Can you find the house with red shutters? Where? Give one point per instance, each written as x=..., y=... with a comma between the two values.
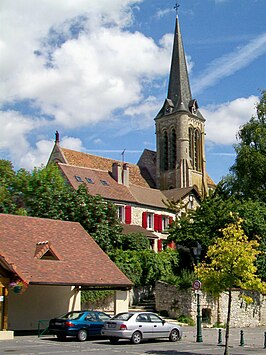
x=140, y=207
x=176, y=171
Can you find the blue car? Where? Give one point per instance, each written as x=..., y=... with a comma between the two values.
x=80, y=324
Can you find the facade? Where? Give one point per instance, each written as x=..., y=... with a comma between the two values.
x=44, y=264
x=176, y=171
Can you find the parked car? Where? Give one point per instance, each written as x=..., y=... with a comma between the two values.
x=80, y=324
x=139, y=325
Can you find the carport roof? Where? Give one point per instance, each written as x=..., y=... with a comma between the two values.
x=53, y=252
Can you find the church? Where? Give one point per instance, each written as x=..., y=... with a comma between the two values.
x=176, y=171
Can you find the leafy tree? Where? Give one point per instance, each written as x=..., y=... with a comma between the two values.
x=204, y=225
x=129, y=262
x=134, y=241
x=11, y=200
x=98, y=218
x=230, y=263
x=45, y=193
x=247, y=178
x=144, y=267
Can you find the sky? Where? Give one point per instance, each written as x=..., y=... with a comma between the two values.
x=97, y=71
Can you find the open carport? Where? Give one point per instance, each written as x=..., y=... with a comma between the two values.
x=44, y=264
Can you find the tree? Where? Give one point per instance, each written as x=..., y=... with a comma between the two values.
x=247, y=178
x=134, y=241
x=98, y=218
x=230, y=263
x=215, y=212
x=145, y=267
x=45, y=193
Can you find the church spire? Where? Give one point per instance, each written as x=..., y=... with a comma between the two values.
x=179, y=88
x=179, y=94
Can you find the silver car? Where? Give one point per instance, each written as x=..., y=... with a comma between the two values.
x=139, y=325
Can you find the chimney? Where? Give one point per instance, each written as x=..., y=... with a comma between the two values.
x=125, y=174
x=117, y=172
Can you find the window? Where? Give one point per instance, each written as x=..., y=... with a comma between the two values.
x=164, y=152
x=195, y=152
x=104, y=183
x=150, y=220
x=124, y=214
x=89, y=180
x=154, y=318
x=78, y=178
x=165, y=222
x=121, y=213
x=173, y=149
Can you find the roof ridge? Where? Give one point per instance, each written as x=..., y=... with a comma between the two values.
x=98, y=156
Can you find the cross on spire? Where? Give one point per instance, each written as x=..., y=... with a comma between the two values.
x=176, y=7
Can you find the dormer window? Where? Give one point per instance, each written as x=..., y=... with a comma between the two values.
x=78, y=178
x=193, y=106
x=89, y=180
x=104, y=183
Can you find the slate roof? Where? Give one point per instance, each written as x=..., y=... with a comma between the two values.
x=79, y=261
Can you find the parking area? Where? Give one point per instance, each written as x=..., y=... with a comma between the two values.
x=253, y=344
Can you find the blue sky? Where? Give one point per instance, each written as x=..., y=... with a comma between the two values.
x=97, y=71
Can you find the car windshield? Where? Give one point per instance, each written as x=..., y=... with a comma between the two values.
x=123, y=316
x=71, y=315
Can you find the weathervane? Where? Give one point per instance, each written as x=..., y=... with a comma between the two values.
x=176, y=8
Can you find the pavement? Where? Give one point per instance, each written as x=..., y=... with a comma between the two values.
x=254, y=339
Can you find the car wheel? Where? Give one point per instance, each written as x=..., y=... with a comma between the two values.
x=82, y=335
x=61, y=337
x=174, y=335
x=114, y=340
x=136, y=338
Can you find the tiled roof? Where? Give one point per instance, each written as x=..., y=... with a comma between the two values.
x=95, y=162
x=210, y=182
x=147, y=196
x=131, y=228
x=112, y=190
x=178, y=193
x=81, y=260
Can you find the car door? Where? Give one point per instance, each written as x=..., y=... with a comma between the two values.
x=93, y=324
x=144, y=324
x=160, y=330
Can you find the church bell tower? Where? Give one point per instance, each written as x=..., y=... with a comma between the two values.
x=180, y=128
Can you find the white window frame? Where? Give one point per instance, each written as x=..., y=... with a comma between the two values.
x=121, y=213
x=165, y=222
x=150, y=221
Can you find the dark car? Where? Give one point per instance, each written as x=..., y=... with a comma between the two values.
x=80, y=324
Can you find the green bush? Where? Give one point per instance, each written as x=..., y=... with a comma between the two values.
x=186, y=319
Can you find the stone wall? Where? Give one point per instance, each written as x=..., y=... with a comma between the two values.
x=214, y=311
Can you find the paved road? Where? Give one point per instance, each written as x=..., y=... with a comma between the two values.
x=253, y=339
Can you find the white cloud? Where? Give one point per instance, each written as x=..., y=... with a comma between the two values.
x=230, y=63
x=82, y=78
x=223, y=121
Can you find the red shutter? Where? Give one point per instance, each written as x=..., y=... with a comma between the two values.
x=170, y=220
x=144, y=220
x=156, y=222
x=160, y=245
x=171, y=245
x=128, y=214
x=160, y=223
